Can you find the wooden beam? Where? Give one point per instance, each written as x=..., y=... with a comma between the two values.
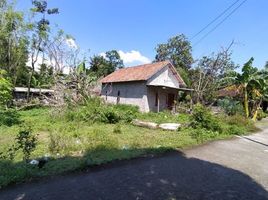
x=158, y=102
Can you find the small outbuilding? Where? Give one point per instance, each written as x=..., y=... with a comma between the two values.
x=20, y=93
x=151, y=87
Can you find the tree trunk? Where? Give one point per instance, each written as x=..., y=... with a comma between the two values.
x=246, y=102
x=256, y=111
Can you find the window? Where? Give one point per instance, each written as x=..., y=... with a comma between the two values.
x=156, y=99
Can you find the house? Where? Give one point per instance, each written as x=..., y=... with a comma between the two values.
x=20, y=93
x=151, y=87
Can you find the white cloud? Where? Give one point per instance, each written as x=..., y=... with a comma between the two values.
x=38, y=62
x=133, y=56
x=71, y=43
x=102, y=54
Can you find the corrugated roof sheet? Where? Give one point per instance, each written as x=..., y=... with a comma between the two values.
x=33, y=90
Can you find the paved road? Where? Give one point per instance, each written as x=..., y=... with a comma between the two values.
x=232, y=169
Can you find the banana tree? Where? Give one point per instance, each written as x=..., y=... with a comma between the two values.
x=259, y=90
x=245, y=79
x=251, y=82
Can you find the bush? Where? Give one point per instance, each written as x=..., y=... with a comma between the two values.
x=230, y=106
x=24, y=141
x=238, y=120
x=203, y=118
x=110, y=115
x=261, y=115
x=236, y=130
x=202, y=134
x=9, y=117
x=96, y=111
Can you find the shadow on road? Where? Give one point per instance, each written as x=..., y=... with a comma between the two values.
x=169, y=176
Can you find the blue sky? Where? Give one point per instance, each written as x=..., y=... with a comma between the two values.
x=136, y=26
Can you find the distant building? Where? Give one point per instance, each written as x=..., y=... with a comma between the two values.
x=20, y=93
x=151, y=87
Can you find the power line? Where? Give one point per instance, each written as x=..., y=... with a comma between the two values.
x=224, y=19
x=215, y=19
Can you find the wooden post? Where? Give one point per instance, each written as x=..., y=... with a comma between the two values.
x=158, y=101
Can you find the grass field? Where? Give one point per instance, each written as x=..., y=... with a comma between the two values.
x=73, y=145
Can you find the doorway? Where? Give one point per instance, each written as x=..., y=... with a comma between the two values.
x=170, y=101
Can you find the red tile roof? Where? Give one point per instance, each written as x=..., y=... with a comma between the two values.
x=140, y=73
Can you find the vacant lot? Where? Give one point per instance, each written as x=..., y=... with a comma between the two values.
x=72, y=145
x=204, y=172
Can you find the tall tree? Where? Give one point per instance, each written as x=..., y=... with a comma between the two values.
x=206, y=76
x=179, y=51
x=39, y=35
x=104, y=65
x=13, y=41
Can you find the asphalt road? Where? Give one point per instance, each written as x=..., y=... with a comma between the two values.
x=229, y=169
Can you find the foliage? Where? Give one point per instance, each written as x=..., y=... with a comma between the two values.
x=203, y=134
x=13, y=41
x=78, y=144
x=261, y=115
x=254, y=86
x=203, y=118
x=104, y=65
x=5, y=89
x=24, y=141
x=178, y=51
x=206, y=75
x=96, y=111
x=9, y=117
x=230, y=106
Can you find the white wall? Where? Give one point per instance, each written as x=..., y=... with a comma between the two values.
x=164, y=77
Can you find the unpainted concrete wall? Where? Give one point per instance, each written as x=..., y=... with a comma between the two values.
x=133, y=93
x=139, y=94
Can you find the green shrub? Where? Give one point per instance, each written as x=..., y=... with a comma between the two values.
x=261, y=115
x=96, y=111
x=24, y=141
x=203, y=118
x=110, y=115
x=230, y=106
x=236, y=130
x=202, y=134
x=238, y=120
x=9, y=117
